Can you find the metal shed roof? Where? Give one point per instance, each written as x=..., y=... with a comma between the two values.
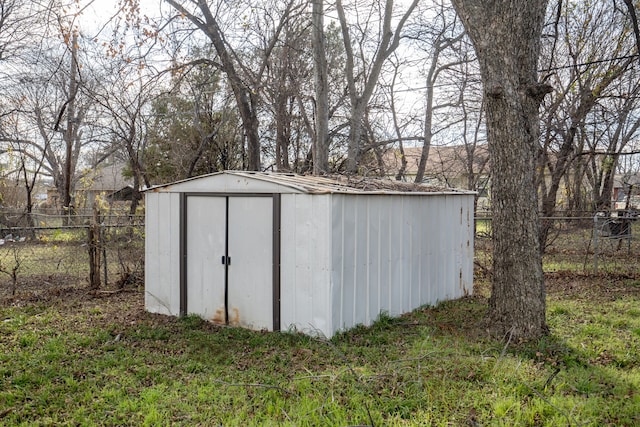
x=324, y=184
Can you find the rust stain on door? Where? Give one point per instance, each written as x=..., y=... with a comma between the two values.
x=219, y=317
x=234, y=317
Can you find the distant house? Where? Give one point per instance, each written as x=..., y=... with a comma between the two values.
x=626, y=187
x=107, y=181
x=446, y=166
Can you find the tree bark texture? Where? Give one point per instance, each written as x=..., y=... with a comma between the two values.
x=506, y=36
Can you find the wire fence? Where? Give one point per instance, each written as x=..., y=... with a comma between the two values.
x=53, y=256
x=110, y=253
x=584, y=244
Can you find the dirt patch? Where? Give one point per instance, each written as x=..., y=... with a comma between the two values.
x=125, y=307
x=38, y=288
x=595, y=287
x=121, y=306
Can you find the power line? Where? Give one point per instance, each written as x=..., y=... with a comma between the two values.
x=585, y=64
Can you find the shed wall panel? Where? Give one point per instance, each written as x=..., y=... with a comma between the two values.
x=361, y=284
x=443, y=255
x=384, y=255
x=406, y=236
x=394, y=253
x=305, y=269
x=453, y=254
x=439, y=238
x=395, y=262
x=418, y=218
x=368, y=258
x=162, y=253
x=431, y=249
x=373, y=257
x=347, y=261
x=459, y=245
x=466, y=241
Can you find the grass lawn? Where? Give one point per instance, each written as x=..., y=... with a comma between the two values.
x=69, y=357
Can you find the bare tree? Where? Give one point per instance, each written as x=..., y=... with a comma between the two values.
x=616, y=125
x=287, y=85
x=48, y=134
x=244, y=82
x=124, y=90
x=362, y=82
x=443, y=34
x=20, y=22
x=25, y=30
x=72, y=132
x=476, y=159
x=581, y=32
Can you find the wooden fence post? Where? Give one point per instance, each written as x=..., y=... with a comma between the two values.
x=94, y=244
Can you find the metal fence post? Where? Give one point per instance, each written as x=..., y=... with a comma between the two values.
x=595, y=242
x=103, y=235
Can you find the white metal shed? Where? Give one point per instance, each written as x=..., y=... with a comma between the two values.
x=289, y=252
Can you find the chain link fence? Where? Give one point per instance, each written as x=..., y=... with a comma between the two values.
x=583, y=244
x=61, y=252
x=52, y=252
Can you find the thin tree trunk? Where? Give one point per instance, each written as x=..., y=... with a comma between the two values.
x=428, y=123
x=321, y=140
x=69, y=132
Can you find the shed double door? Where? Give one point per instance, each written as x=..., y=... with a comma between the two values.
x=229, y=260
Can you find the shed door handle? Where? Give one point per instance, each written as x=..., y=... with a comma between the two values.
x=226, y=260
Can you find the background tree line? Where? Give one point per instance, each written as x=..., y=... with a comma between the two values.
x=197, y=87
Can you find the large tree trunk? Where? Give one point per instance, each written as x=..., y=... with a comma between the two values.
x=506, y=36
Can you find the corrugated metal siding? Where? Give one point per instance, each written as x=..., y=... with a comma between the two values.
x=395, y=253
x=373, y=272
x=467, y=236
x=450, y=244
x=162, y=253
x=305, y=270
